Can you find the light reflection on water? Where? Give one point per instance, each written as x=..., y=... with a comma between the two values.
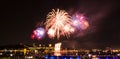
x=108, y=58
x=62, y=57
x=78, y=57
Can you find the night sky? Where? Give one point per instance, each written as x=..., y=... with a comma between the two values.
x=19, y=19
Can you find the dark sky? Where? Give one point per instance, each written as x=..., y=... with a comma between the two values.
x=19, y=19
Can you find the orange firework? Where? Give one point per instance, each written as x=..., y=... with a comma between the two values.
x=58, y=23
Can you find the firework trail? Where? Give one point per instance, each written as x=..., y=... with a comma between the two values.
x=58, y=23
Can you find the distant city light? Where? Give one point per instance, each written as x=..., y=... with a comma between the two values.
x=118, y=54
x=89, y=55
x=57, y=49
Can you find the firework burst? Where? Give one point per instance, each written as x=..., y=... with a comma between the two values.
x=80, y=22
x=58, y=23
x=38, y=33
